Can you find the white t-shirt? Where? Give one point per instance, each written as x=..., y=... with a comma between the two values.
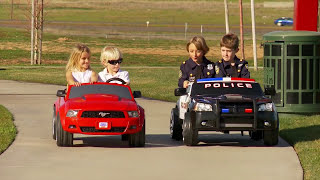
x=82, y=77
x=104, y=75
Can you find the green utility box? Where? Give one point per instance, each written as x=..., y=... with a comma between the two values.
x=291, y=67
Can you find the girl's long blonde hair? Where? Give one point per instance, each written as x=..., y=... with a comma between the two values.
x=73, y=63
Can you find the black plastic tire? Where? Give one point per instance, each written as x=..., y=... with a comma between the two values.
x=190, y=134
x=138, y=139
x=270, y=138
x=64, y=138
x=54, y=124
x=175, y=125
x=257, y=135
x=124, y=137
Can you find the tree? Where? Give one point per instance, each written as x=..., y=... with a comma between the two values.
x=37, y=20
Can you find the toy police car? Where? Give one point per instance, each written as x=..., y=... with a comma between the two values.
x=224, y=104
x=98, y=109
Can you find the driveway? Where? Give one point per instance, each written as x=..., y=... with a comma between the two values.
x=35, y=156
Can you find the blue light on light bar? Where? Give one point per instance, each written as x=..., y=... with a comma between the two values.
x=210, y=79
x=224, y=79
x=225, y=110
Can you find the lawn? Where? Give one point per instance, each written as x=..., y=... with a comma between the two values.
x=7, y=129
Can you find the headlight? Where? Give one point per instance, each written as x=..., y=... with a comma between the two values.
x=203, y=107
x=266, y=107
x=133, y=114
x=72, y=113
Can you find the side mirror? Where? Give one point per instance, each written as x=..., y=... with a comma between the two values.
x=270, y=91
x=61, y=93
x=180, y=91
x=136, y=94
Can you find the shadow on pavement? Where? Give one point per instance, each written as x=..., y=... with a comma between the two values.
x=153, y=140
x=234, y=140
x=164, y=140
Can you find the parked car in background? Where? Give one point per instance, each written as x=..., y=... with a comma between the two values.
x=283, y=21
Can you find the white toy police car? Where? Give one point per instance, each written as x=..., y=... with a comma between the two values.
x=224, y=104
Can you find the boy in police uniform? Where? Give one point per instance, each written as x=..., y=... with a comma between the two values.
x=230, y=65
x=197, y=66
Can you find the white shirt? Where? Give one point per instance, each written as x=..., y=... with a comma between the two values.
x=104, y=75
x=82, y=77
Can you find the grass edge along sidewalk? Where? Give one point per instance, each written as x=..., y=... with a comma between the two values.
x=8, y=130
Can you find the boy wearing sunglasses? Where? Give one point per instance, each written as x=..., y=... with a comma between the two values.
x=111, y=58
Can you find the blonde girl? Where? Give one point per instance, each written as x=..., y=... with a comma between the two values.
x=78, y=69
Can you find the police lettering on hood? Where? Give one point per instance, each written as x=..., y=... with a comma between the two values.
x=190, y=71
x=225, y=69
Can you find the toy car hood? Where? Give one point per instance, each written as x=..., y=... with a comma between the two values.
x=100, y=101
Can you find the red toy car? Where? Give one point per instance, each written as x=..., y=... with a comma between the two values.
x=98, y=109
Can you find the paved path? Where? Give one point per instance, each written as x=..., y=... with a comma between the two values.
x=35, y=156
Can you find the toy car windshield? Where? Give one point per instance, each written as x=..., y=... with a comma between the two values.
x=221, y=86
x=119, y=90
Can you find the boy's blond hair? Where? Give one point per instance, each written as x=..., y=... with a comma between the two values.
x=200, y=44
x=230, y=40
x=74, y=59
x=110, y=53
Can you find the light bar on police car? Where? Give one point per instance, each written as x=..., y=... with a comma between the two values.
x=224, y=79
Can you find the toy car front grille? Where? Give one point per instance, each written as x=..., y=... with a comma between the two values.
x=93, y=129
x=102, y=114
x=236, y=107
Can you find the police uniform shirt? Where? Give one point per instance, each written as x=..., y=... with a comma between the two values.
x=225, y=69
x=191, y=71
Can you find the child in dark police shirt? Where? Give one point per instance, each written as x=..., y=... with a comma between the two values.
x=197, y=66
x=230, y=65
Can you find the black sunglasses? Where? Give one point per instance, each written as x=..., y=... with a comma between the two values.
x=114, y=62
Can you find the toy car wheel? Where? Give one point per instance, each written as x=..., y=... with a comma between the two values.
x=138, y=139
x=124, y=137
x=270, y=137
x=175, y=126
x=256, y=135
x=64, y=138
x=54, y=124
x=279, y=24
x=190, y=134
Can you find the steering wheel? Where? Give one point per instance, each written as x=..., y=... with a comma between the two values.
x=116, y=80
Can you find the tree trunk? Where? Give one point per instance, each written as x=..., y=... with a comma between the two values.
x=32, y=32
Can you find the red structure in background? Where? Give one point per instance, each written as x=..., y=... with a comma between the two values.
x=305, y=15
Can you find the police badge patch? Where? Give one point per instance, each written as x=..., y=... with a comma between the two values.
x=217, y=69
x=209, y=67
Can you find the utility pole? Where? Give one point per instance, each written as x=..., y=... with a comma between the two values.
x=255, y=62
x=241, y=30
x=226, y=16
x=11, y=10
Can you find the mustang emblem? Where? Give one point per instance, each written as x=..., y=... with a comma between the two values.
x=102, y=114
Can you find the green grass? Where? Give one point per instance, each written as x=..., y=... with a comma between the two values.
x=7, y=129
x=169, y=12
x=303, y=132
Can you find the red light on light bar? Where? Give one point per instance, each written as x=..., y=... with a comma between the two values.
x=248, y=110
x=242, y=79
